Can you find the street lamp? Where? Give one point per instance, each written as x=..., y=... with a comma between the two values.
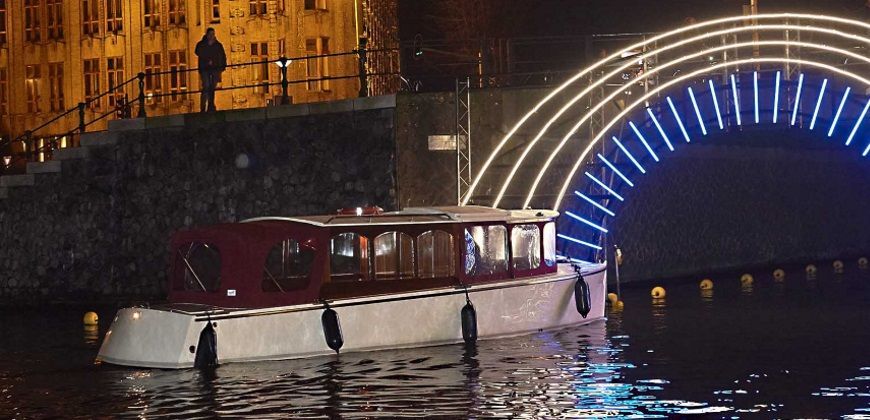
x=283, y=63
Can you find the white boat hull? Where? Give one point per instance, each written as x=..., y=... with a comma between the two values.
x=165, y=339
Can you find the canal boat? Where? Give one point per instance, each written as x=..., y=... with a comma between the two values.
x=276, y=288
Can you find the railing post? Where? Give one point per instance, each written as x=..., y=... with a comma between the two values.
x=285, y=98
x=28, y=136
x=363, y=79
x=82, y=117
x=141, y=77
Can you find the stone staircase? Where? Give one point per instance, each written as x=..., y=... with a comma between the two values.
x=55, y=166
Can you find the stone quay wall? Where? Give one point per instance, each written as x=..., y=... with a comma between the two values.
x=95, y=222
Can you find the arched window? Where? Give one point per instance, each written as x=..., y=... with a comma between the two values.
x=394, y=256
x=349, y=257
x=526, y=247
x=199, y=266
x=435, y=254
x=287, y=267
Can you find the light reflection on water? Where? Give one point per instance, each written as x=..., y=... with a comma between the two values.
x=788, y=349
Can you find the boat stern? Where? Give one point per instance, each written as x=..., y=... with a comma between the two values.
x=144, y=337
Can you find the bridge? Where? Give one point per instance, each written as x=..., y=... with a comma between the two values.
x=590, y=141
x=654, y=122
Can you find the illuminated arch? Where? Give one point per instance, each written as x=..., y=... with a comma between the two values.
x=758, y=25
x=681, y=53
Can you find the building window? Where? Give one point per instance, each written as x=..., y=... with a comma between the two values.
x=317, y=68
x=215, y=11
x=54, y=11
x=152, y=13
x=153, y=82
x=260, y=53
x=91, y=17
x=287, y=267
x=92, y=82
x=32, y=80
x=2, y=22
x=178, y=74
x=55, y=87
x=315, y=4
x=31, y=21
x=115, y=71
x=258, y=7
x=176, y=12
x=4, y=97
x=114, y=16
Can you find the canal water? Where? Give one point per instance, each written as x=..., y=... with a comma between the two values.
x=798, y=348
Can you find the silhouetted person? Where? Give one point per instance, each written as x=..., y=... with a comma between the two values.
x=212, y=62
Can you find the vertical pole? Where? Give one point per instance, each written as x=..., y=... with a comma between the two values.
x=28, y=136
x=141, y=77
x=285, y=98
x=363, y=79
x=81, y=117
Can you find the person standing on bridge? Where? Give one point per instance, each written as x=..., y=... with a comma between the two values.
x=212, y=62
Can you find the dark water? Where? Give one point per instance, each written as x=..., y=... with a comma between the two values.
x=776, y=350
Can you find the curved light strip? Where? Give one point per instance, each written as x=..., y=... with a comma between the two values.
x=617, y=92
x=651, y=41
x=683, y=78
x=600, y=80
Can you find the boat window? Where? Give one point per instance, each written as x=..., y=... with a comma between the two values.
x=349, y=257
x=485, y=250
x=526, y=247
x=287, y=267
x=435, y=254
x=394, y=256
x=200, y=267
x=550, y=244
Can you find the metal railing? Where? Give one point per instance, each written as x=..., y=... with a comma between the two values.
x=14, y=162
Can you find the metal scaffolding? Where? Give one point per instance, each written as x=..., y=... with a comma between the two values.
x=463, y=138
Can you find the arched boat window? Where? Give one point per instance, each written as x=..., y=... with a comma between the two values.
x=486, y=250
x=526, y=247
x=435, y=254
x=394, y=256
x=198, y=267
x=349, y=257
x=550, y=244
x=287, y=267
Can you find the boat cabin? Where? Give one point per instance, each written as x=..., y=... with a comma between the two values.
x=281, y=261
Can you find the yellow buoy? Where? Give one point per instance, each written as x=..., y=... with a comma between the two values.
x=619, y=305
x=746, y=279
x=811, y=269
x=706, y=284
x=838, y=266
x=658, y=292
x=613, y=298
x=863, y=263
x=91, y=318
x=779, y=274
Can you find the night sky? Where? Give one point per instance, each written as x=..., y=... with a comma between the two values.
x=519, y=18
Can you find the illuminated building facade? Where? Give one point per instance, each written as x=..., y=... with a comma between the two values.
x=55, y=54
